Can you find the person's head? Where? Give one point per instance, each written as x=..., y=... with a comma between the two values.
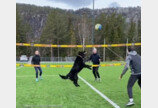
x=36, y=52
x=94, y=50
x=130, y=48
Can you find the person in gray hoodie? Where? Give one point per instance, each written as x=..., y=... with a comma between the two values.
x=133, y=60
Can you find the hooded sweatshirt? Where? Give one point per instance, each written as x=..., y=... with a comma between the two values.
x=133, y=61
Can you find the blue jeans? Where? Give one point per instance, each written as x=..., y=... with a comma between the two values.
x=36, y=69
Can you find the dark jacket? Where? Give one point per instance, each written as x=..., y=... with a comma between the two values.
x=133, y=61
x=36, y=60
x=95, y=58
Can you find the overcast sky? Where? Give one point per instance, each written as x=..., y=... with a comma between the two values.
x=76, y=4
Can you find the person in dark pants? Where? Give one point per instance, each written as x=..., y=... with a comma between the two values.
x=95, y=58
x=36, y=61
x=133, y=60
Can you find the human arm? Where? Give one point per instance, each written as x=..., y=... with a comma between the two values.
x=32, y=61
x=128, y=59
x=39, y=59
x=90, y=58
x=99, y=59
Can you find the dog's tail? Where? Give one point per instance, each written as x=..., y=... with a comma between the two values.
x=63, y=77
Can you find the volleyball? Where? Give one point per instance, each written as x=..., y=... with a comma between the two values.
x=98, y=27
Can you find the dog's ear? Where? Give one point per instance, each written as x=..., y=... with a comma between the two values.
x=85, y=52
x=79, y=53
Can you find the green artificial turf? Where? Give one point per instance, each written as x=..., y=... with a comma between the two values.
x=53, y=92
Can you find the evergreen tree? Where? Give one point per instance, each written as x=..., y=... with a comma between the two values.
x=22, y=30
x=55, y=32
x=132, y=32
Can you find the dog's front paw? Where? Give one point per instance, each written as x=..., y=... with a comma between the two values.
x=89, y=67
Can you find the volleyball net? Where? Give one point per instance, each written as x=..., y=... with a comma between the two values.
x=47, y=61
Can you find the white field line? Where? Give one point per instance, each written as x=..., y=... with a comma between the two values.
x=18, y=68
x=34, y=76
x=101, y=94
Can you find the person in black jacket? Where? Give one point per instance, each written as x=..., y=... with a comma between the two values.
x=36, y=62
x=95, y=58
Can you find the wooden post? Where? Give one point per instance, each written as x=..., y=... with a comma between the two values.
x=104, y=51
x=127, y=48
x=58, y=50
x=83, y=44
x=51, y=53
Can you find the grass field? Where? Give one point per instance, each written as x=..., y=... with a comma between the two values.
x=53, y=92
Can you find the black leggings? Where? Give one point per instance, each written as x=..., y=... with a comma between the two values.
x=95, y=72
x=36, y=69
x=131, y=82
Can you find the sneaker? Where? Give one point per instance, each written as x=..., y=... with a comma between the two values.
x=130, y=103
x=99, y=79
x=36, y=79
x=41, y=78
x=95, y=79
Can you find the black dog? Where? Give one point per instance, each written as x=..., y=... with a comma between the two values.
x=77, y=67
